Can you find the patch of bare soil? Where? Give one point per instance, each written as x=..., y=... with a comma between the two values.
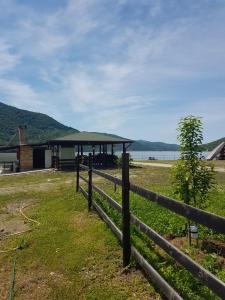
x=178, y=242
x=11, y=221
x=214, y=246
x=33, y=285
x=204, y=248
x=12, y=208
x=27, y=187
x=36, y=187
x=5, y=273
x=12, y=226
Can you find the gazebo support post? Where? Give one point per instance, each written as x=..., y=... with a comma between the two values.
x=57, y=157
x=78, y=168
x=112, y=150
x=90, y=161
x=93, y=154
x=124, y=148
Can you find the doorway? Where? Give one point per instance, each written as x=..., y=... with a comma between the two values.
x=39, y=158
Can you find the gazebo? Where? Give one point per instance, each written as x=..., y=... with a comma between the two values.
x=67, y=149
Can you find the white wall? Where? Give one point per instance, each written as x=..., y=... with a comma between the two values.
x=67, y=153
x=8, y=157
x=48, y=159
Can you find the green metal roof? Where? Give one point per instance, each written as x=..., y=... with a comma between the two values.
x=91, y=137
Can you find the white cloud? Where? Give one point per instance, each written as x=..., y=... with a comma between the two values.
x=86, y=57
x=39, y=36
x=8, y=60
x=19, y=94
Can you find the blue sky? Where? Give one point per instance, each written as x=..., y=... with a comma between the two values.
x=129, y=67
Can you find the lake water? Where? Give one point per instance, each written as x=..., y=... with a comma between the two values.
x=136, y=155
x=160, y=155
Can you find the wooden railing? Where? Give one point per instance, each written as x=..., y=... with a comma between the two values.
x=7, y=165
x=207, y=219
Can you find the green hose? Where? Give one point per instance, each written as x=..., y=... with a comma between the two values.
x=11, y=290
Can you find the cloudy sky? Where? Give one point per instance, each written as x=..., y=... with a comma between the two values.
x=129, y=67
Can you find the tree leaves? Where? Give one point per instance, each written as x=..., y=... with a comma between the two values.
x=192, y=179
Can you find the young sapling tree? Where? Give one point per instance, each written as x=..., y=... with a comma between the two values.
x=192, y=179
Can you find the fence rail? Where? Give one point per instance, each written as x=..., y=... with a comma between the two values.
x=7, y=164
x=202, y=217
x=207, y=219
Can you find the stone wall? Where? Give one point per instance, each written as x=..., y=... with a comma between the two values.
x=26, y=158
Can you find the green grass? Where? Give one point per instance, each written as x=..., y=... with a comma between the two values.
x=169, y=225
x=72, y=254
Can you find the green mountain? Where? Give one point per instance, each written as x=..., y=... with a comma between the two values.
x=142, y=145
x=212, y=145
x=40, y=127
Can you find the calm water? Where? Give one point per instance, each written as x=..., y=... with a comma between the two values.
x=136, y=155
x=161, y=155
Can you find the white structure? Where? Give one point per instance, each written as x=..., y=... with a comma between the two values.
x=217, y=153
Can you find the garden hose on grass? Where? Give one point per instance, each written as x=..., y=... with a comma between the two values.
x=16, y=233
x=26, y=217
x=9, y=250
x=22, y=245
x=11, y=289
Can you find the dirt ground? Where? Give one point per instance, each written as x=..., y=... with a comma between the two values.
x=12, y=220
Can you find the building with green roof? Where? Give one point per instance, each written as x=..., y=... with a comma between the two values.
x=62, y=152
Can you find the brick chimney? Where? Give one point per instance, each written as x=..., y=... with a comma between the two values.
x=21, y=132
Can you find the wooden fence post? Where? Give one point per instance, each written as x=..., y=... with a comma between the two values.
x=78, y=172
x=126, y=210
x=90, y=162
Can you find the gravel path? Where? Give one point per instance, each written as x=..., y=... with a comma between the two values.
x=148, y=164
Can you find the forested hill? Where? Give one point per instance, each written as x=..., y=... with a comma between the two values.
x=212, y=145
x=142, y=145
x=40, y=127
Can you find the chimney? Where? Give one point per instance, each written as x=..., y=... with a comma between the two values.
x=21, y=131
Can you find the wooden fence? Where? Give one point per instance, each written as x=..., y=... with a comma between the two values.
x=207, y=219
x=7, y=165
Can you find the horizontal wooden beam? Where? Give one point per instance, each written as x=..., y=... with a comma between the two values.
x=83, y=178
x=83, y=192
x=207, y=278
x=198, y=271
x=108, y=176
x=110, y=200
x=84, y=167
x=108, y=221
x=153, y=275
x=202, y=217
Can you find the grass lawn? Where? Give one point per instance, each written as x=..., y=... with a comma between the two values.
x=71, y=254
x=170, y=226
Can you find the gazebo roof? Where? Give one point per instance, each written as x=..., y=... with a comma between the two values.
x=90, y=138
